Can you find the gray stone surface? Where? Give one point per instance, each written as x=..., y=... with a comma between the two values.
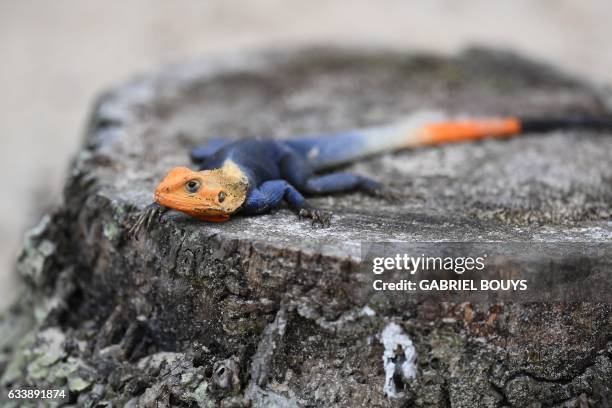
x=268, y=311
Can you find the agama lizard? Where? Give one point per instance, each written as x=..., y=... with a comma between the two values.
x=254, y=176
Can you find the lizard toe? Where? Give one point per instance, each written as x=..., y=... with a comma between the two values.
x=318, y=217
x=151, y=214
x=387, y=194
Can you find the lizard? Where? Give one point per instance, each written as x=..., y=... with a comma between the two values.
x=254, y=176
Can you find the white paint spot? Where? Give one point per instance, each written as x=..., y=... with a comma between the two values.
x=367, y=311
x=398, y=358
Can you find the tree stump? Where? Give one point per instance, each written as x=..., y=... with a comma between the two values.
x=269, y=311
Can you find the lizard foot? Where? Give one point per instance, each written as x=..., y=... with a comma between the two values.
x=317, y=216
x=152, y=212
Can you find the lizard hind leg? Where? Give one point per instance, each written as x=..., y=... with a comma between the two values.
x=347, y=182
x=300, y=173
x=341, y=182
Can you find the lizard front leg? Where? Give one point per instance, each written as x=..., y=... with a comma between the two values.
x=270, y=194
x=146, y=218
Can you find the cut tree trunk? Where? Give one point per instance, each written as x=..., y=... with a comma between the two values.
x=269, y=311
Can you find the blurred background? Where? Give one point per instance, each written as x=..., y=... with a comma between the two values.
x=57, y=55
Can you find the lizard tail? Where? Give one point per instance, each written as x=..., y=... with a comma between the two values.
x=426, y=129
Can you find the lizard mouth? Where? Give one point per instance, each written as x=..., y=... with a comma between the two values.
x=199, y=209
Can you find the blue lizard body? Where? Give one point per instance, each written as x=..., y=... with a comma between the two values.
x=279, y=170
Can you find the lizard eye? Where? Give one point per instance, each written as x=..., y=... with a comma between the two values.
x=221, y=196
x=192, y=186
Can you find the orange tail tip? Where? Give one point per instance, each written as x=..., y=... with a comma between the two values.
x=459, y=131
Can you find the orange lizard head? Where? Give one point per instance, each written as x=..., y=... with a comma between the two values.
x=211, y=195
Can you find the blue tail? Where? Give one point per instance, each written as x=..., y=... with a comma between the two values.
x=331, y=150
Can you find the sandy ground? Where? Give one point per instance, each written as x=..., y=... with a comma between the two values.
x=56, y=55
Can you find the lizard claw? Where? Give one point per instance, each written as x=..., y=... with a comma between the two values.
x=317, y=216
x=388, y=194
x=152, y=212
